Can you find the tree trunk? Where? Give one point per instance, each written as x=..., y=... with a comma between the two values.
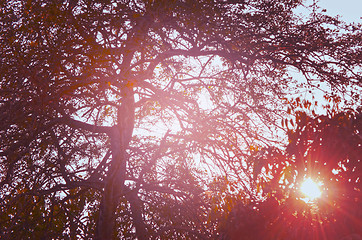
x=136, y=211
x=112, y=190
x=114, y=182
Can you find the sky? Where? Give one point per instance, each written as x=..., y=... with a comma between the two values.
x=350, y=10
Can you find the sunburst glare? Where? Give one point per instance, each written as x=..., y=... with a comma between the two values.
x=310, y=190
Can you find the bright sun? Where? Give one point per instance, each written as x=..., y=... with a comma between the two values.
x=310, y=189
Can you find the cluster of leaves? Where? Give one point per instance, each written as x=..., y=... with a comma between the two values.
x=327, y=148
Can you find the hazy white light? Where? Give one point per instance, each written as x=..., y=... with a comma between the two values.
x=310, y=189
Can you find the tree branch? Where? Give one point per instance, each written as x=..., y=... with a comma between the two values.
x=85, y=126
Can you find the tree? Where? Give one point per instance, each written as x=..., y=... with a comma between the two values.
x=329, y=147
x=326, y=148
x=107, y=108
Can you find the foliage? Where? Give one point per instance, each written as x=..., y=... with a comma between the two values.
x=326, y=148
x=150, y=119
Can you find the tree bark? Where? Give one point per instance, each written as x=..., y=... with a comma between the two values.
x=136, y=211
x=120, y=137
x=112, y=190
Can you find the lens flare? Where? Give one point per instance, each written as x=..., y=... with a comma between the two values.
x=310, y=189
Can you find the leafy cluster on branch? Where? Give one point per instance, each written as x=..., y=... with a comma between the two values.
x=326, y=148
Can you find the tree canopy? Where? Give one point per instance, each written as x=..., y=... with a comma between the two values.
x=326, y=148
x=161, y=119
